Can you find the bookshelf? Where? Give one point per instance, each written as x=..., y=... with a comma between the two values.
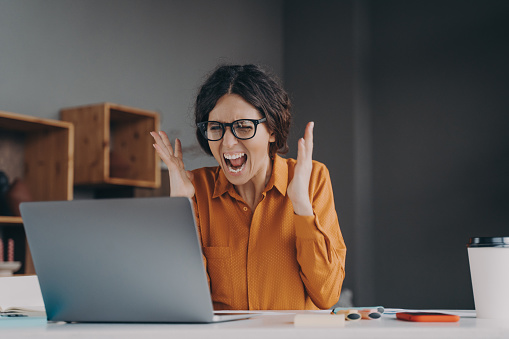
x=113, y=145
x=40, y=153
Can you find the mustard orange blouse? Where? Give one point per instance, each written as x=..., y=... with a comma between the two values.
x=270, y=258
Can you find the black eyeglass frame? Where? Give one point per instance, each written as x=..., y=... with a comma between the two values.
x=202, y=126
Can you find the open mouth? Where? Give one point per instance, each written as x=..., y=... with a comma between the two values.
x=235, y=162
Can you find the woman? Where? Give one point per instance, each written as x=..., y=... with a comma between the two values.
x=268, y=226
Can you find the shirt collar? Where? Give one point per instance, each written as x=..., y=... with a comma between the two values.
x=278, y=179
x=222, y=184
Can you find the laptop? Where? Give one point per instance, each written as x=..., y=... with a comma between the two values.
x=120, y=260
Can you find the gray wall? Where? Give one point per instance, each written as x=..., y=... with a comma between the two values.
x=411, y=103
x=147, y=54
x=440, y=100
x=319, y=75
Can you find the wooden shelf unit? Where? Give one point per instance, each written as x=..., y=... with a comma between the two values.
x=113, y=145
x=40, y=152
x=10, y=220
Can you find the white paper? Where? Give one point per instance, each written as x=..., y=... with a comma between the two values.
x=21, y=291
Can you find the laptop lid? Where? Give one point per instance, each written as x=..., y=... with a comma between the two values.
x=119, y=260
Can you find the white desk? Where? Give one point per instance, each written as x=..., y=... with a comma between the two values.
x=263, y=327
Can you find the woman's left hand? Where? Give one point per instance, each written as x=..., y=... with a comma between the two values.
x=298, y=189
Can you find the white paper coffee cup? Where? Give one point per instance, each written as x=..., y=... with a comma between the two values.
x=489, y=270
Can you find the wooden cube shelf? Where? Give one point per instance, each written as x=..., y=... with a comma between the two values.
x=113, y=145
x=40, y=153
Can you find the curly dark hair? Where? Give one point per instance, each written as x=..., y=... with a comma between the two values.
x=258, y=88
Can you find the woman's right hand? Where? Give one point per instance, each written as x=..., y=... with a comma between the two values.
x=180, y=180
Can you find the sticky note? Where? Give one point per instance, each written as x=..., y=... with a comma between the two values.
x=319, y=320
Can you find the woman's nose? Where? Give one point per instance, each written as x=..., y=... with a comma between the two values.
x=228, y=137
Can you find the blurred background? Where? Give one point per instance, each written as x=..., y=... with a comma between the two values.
x=410, y=101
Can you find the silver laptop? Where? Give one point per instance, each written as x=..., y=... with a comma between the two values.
x=120, y=260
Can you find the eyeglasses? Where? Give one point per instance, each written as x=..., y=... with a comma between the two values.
x=242, y=129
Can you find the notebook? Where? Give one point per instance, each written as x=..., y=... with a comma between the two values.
x=120, y=260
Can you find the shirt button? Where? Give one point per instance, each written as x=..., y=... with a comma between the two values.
x=245, y=209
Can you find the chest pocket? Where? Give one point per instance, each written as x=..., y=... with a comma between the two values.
x=219, y=268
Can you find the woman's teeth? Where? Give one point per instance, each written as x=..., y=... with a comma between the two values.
x=233, y=156
x=236, y=170
x=235, y=161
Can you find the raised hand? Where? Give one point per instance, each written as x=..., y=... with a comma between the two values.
x=180, y=180
x=298, y=189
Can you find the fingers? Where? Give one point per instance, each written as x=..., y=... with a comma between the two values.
x=178, y=149
x=166, y=142
x=305, y=144
x=308, y=139
x=163, y=146
x=164, y=155
x=298, y=189
x=301, y=151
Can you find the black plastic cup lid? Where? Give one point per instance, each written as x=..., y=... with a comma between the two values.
x=489, y=242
